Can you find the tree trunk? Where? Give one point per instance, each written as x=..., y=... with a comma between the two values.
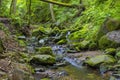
x=0, y=3
x=62, y=4
x=52, y=12
x=13, y=7
x=29, y=13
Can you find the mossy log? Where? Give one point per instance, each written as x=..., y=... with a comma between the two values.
x=63, y=4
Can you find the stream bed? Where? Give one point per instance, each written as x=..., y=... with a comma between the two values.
x=74, y=70
x=83, y=73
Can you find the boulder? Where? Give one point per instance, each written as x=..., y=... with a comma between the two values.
x=111, y=39
x=45, y=50
x=95, y=61
x=108, y=26
x=114, y=36
x=42, y=60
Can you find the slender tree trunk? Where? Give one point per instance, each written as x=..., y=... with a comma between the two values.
x=61, y=4
x=13, y=7
x=52, y=12
x=0, y=3
x=29, y=13
x=28, y=5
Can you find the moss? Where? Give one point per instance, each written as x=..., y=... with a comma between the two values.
x=42, y=59
x=104, y=43
x=110, y=51
x=95, y=61
x=92, y=46
x=108, y=25
x=38, y=31
x=83, y=45
x=55, y=31
x=22, y=43
x=45, y=79
x=118, y=54
x=45, y=50
x=63, y=41
x=112, y=24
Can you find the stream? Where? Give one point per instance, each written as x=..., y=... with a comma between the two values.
x=74, y=70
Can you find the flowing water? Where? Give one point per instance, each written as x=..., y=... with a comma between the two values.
x=74, y=70
x=83, y=73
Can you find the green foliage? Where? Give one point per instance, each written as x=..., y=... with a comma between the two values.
x=118, y=55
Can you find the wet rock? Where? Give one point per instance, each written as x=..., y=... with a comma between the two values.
x=42, y=60
x=94, y=61
x=62, y=73
x=40, y=75
x=39, y=70
x=60, y=64
x=21, y=37
x=114, y=36
x=103, y=68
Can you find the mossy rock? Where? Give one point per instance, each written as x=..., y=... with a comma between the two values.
x=42, y=60
x=45, y=50
x=63, y=41
x=104, y=43
x=108, y=26
x=110, y=51
x=92, y=46
x=77, y=36
x=82, y=45
x=95, y=61
x=38, y=31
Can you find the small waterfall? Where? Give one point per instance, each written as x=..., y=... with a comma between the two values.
x=74, y=62
x=67, y=35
